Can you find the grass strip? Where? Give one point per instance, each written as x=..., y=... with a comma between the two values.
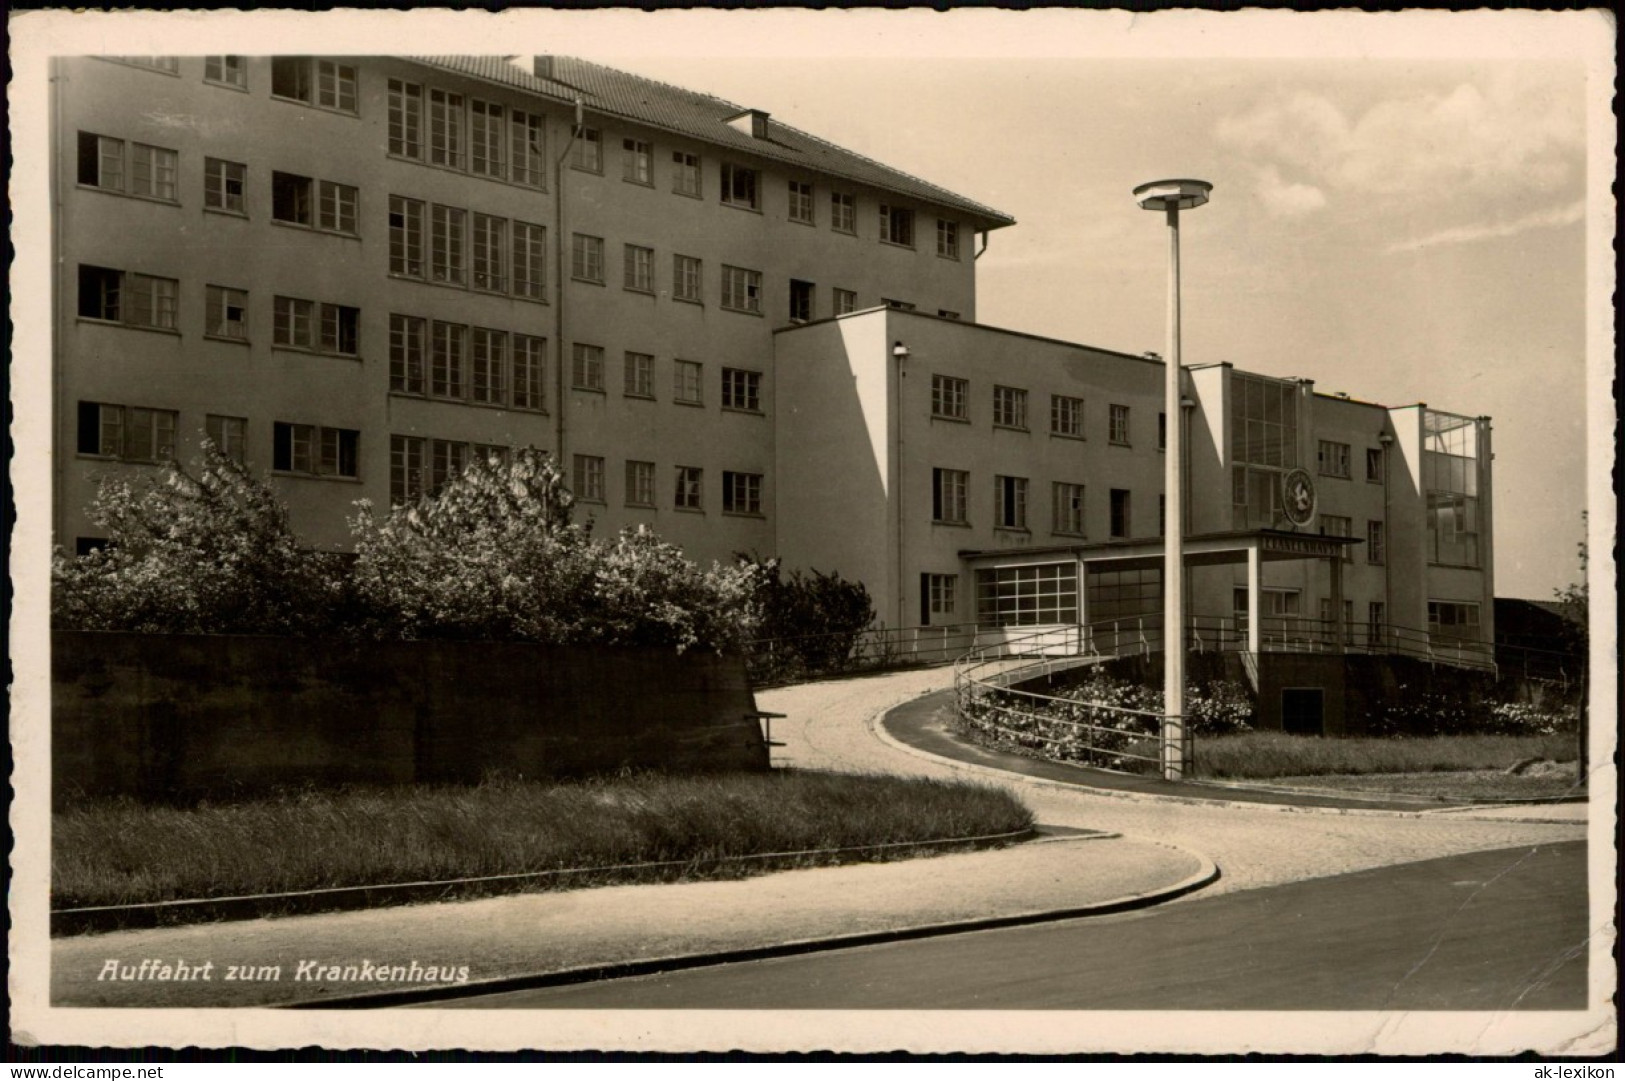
x=502, y=837
x=1263, y=755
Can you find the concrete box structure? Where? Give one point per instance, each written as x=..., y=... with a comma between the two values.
x=359, y=273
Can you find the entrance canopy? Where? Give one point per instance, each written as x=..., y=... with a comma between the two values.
x=1202, y=550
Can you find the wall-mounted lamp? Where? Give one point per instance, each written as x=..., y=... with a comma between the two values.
x=1385, y=439
x=900, y=351
x=1187, y=403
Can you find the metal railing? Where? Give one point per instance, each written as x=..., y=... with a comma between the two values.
x=814, y=656
x=1112, y=737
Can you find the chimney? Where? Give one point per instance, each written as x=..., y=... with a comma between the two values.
x=543, y=67
x=752, y=122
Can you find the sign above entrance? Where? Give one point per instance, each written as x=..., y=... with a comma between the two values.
x=1298, y=496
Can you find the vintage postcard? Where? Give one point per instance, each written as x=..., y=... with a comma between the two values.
x=739, y=531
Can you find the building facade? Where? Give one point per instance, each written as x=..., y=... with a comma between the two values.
x=356, y=274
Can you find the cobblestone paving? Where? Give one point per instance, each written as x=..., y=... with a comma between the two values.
x=829, y=726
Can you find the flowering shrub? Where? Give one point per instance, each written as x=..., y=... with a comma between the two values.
x=495, y=556
x=1525, y=719
x=209, y=553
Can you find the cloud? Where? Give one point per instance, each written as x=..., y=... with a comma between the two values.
x=1466, y=234
x=1287, y=200
x=1502, y=134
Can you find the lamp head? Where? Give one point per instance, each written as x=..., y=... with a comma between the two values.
x=1172, y=194
x=900, y=351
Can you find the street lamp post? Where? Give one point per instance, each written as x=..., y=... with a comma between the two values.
x=1172, y=196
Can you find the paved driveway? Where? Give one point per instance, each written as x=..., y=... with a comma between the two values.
x=831, y=725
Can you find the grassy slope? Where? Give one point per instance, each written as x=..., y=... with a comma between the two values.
x=120, y=852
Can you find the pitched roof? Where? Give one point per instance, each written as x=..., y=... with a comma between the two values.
x=606, y=91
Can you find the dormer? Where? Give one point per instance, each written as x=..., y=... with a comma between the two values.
x=752, y=122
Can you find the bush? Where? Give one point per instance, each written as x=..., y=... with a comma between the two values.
x=495, y=556
x=809, y=623
x=209, y=553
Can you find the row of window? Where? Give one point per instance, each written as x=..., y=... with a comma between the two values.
x=1335, y=460
x=455, y=131
x=448, y=245
x=741, y=388
x=140, y=434
x=950, y=490
x=950, y=400
x=1376, y=537
x=741, y=491
x=143, y=300
x=439, y=359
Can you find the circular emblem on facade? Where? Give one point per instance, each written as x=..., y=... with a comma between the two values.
x=1298, y=496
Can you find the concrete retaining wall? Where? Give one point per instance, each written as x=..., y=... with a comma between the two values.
x=178, y=717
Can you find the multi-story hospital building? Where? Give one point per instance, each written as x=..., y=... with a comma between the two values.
x=357, y=273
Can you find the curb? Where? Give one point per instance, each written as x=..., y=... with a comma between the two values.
x=877, y=725
x=1206, y=874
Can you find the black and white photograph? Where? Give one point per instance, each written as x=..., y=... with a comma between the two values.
x=1054, y=532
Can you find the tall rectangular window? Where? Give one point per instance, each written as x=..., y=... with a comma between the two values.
x=448, y=349
x=689, y=489
x=488, y=383
x=340, y=329
x=1010, y=502
x=640, y=484
x=487, y=139
x=226, y=312
x=223, y=185
x=637, y=162
x=529, y=372
x=941, y=595
x=406, y=468
x=1122, y=523
x=152, y=172
x=639, y=376
x=529, y=260
x=336, y=207
x=741, y=289
x=587, y=258
x=490, y=262
x=738, y=186
x=408, y=345
x=742, y=389
x=1010, y=407
x=405, y=119
x=947, y=238
x=225, y=71
x=950, y=397
x=1263, y=421
x=1066, y=416
x=445, y=129
x=101, y=162
x=801, y=202
x=229, y=436
x=406, y=236
x=1373, y=465
x=588, y=152
x=801, y=301
x=1117, y=430
x=293, y=199
x=1450, y=479
x=529, y=149
x=1333, y=459
x=845, y=301
x=741, y=493
x=639, y=269
x=948, y=488
x=587, y=367
x=1068, y=509
x=335, y=86
x=685, y=173
x=686, y=386
x=897, y=225
x=843, y=212
x=685, y=279
x=589, y=478
x=1376, y=543
x=294, y=322
x=447, y=460
x=446, y=225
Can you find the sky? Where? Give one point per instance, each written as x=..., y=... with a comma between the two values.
x=1398, y=230
x=1400, y=203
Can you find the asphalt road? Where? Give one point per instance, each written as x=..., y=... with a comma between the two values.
x=1494, y=930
